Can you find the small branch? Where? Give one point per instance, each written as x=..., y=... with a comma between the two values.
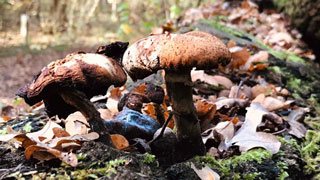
x=163, y=128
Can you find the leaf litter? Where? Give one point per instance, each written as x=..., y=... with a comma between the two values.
x=246, y=117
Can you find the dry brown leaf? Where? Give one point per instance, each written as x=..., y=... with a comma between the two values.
x=77, y=116
x=206, y=112
x=140, y=89
x=119, y=141
x=272, y=104
x=46, y=131
x=5, y=118
x=225, y=130
x=59, y=132
x=234, y=120
x=215, y=80
x=106, y=114
x=261, y=56
x=296, y=128
x=247, y=137
x=75, y=138
x=259, y=99
x=239, y=58
x=244, y=92
x=267, y=90
x=116, y=93
x=205, y=173
x=149, y=110
x=229, y=102
x=74, y=128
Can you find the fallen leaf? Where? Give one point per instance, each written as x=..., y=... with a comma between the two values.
x=229, y=102
x=46, y=131
x=77, y=116
x=296, y=128
x=140, y=89
x=119, y=141
x=239, y=58
x=116, y=93
x=272, y=104
x=59, y=132
x=247, y=137
x=261, y=56
x=225, y=131
x=267, y=90
x=205, y=173
x=215, y=80
x=105, y=114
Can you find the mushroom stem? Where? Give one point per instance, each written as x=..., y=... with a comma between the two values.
x=80, y=101
x=179, y=88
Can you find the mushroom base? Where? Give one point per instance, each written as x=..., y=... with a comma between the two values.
x=188, y=127
x=79, y=100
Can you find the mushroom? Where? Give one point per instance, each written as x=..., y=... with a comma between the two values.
x=177, y=54
x=66, y=85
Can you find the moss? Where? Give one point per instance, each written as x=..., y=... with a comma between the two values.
x=283, y=55
x=290, y=141
x=227, y=167
x=251, y=176
x=283, y=167
x=27, y=128
x=314, y=101
x=276, y=69
x=149, y=159
x=310, y=152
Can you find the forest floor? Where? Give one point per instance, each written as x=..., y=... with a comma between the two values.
x=270, y=86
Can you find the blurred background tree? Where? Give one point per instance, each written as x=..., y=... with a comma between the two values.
x=94, y=21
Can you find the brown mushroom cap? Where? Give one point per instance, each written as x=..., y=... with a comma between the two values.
x=89, y=73
x=174, y=52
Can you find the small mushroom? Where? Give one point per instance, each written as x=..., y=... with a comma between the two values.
x=66, y=85
x=177, y=54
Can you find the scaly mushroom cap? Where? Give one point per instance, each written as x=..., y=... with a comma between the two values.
x=89, y=73
x=174, y=52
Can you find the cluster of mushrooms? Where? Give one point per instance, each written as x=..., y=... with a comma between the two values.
x=66, y=85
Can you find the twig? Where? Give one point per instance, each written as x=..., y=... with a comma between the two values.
x=163, y=128
x=279, y=132
x=240, y=84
